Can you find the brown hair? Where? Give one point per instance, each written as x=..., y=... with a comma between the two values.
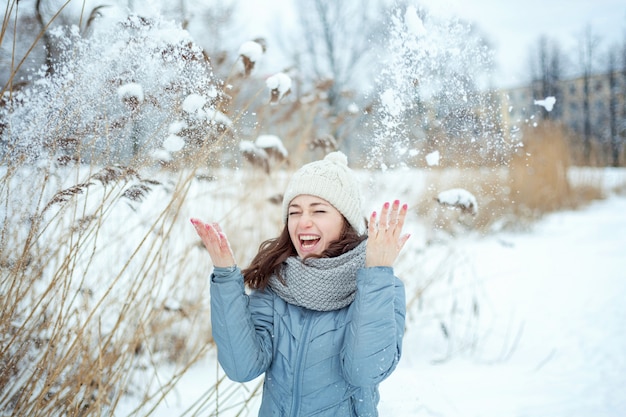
x=273, y=252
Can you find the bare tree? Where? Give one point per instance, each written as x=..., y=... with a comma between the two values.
x=622, y=125
x=613, y=110
x=547, y=73
x=335, y=40
x=587, y=50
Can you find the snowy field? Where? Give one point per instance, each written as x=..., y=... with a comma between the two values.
x=562, y=288
x=512, y=324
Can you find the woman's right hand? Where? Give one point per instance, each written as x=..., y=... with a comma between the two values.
x=216, y=243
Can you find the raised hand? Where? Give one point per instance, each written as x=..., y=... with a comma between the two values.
x=385, y=240
x=216, y=243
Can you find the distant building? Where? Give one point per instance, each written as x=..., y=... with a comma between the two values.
x=606, y=107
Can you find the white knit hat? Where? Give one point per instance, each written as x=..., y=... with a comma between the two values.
x=332, y=180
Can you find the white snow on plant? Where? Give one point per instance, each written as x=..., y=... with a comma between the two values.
x=213, y=92
x=176, y=127
x=458, y=197
x=280, y=82
x=96, y=75
x=271, y=142
x=251, y=150
x=413, y=23
x=193, y=103
x=217, y=117
x=432, y=158
x=353, y=108
x=547, y=103
x=251, y=50
x=247, y=146
x=173, y=143
x=160, y=154
x=131, y=90
x=175, y=35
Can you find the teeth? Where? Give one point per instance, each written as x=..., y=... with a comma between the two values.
x=308, y=241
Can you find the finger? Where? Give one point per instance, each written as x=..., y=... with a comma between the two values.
x=402, y=241
x=393, y=216
x=197, y=224
x=207, y=235
x=371, y=226
x=212, y=234
x=224, y=243
x=200, y=227
x=401, y=217
x=219, y=234
x=383, y=222
x=219, y=237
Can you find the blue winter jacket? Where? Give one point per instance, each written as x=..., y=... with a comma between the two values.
x=315, y=363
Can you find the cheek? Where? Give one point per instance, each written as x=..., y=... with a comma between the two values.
x=291, y=227
x=335, y=229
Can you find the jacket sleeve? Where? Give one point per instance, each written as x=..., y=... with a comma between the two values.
x=373, y=342
x=242, y=325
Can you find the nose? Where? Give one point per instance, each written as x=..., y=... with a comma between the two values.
x=305, y=221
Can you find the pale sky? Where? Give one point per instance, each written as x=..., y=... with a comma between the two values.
x=512, y=27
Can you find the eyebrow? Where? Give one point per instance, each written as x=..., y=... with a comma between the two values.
x=320, y=203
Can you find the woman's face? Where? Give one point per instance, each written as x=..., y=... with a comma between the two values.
x=313, y=223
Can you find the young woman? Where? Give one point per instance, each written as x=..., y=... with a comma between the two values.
x=324, y=319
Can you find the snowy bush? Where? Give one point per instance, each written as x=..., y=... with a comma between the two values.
x=112, y=95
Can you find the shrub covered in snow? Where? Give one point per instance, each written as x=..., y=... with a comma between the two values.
x=113, y=95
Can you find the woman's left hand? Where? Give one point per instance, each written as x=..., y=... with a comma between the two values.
x=385, y=240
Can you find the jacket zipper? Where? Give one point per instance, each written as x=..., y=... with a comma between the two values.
x=298, y=374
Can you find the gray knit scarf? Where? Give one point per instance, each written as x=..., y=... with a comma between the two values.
x=321, y=284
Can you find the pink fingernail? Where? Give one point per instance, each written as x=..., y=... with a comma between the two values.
x=397, y=202
x=387, y=205
x=374, y=214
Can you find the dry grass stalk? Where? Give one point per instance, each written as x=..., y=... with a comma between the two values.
x=539, y=170
x=327, y=143
x=69, y=374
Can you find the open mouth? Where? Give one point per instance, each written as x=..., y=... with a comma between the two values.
x=308, y=241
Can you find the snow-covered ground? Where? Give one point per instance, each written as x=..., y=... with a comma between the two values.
x=559, y=290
